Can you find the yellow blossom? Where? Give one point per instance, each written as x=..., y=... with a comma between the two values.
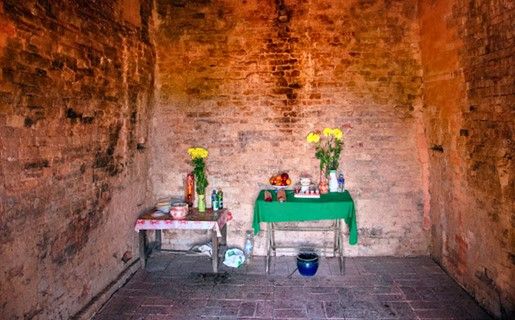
x=196, y=153
x=327, y=132
x=337, y=133
x=328, y=147
x=313, y=137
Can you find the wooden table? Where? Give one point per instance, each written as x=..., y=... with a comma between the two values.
x=213, y=222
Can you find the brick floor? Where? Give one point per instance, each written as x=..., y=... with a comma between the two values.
x=182, y=287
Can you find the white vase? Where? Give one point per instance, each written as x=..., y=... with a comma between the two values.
x=333, y=181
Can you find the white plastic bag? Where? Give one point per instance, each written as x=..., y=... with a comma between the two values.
x=234, y=258
x=205, y=249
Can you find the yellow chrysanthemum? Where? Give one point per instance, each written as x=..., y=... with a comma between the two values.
x=327, y=132
x=337, y=133
x=313, y=137
x=196, y=153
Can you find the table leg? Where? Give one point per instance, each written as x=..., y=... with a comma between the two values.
x=158, y=239
x=214, y=257
x=335, y=243
x=340, y=248
x=273, y=239
x=142, y=248
x=223, y=241
x=268, y=243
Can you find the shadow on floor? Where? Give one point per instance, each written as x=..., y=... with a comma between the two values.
x=183, y=287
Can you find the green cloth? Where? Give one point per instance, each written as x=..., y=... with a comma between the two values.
x=329, y=206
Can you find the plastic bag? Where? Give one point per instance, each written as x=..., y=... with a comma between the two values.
x=205, y=249
x=234, y=258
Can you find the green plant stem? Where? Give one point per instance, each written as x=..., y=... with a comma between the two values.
x=328, y=153
x=200, y=175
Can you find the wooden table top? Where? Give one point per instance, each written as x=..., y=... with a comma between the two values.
x=193, y=215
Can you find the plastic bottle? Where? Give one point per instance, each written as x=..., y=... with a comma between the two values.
x=214, y=201
x=249, y=245
x=341, y=183
x=220, y=199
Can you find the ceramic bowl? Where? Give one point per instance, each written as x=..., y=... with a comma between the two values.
x=307, y=263
x=179, y=210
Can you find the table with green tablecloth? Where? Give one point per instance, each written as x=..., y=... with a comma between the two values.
x=334, y=206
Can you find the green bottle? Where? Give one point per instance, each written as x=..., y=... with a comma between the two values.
x=220, y=197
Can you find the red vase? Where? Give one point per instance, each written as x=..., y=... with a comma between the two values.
x=190, y=189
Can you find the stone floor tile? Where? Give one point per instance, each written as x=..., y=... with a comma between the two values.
x=229, y=311
x=315, y=310
x=435, y=314
x=184, y=287
x=264, y=309
x=151, y=317
x=247, y=309
x=290, y=313
x=334, y=309
x=401, y=310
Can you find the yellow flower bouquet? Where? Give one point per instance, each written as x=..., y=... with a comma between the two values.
x=198, y=156
x=328, y=146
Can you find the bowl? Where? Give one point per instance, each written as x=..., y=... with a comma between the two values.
x=165, y=208
x=307, y=263
x=179, y=210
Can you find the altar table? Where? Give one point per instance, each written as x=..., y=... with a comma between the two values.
x=331, y=206
x=214, y=222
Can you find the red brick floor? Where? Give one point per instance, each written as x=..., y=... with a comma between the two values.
x=181, y=287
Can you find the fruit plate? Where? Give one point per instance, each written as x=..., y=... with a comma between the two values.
x=267, y=186
x=278, y=187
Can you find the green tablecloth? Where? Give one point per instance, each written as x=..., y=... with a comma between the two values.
x=329, y=206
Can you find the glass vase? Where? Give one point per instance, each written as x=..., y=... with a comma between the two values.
x=201, y=204
x=333, y=181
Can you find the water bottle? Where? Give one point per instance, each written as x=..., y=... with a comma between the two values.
x=341, y=183
x=220, y=199
x=214, y=201
x=249, y=245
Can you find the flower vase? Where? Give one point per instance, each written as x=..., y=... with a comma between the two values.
x=322, y=186
x=201, y=203
x=333, y=181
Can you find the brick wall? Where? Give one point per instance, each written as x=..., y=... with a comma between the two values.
x=249, y=79
x=467, y=52
x=76, y=83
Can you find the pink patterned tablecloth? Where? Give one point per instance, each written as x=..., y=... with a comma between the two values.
x=193, y=221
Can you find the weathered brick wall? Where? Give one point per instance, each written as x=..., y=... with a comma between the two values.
x=76, y=83
x=468, y=57
x=249, y=79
